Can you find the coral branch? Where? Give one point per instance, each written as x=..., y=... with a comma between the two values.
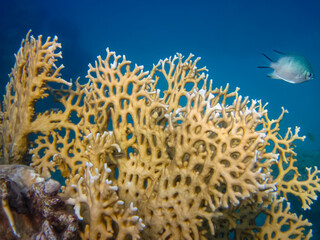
x=34, y=69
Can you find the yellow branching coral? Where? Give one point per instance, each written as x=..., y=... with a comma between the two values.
x=34, y=68
x=282, y=224
x=289, y=181
x=107, y=216
x=190, y=162
x=288, y=178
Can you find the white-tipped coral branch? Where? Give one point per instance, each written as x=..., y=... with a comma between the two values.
x=106, y=213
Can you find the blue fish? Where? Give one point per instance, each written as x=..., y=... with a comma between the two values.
x=291, y=67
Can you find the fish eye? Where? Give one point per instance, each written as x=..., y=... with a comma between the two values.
x=309, y=76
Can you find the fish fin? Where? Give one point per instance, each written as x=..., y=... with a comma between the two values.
x=272, y=76
x=289, y=81
x=267, y=57
x=275, y=76
x=278, y=52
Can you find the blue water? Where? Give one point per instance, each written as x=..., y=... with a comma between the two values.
x=229, y=36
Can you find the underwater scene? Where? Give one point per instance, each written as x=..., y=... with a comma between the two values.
x=159, y=119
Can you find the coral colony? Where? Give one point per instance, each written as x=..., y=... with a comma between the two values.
x=190, y=162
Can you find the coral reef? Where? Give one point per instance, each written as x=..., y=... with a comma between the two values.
x=190, y=162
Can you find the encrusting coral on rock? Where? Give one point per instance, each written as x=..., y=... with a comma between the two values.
x=32, y=208
x=190, y=162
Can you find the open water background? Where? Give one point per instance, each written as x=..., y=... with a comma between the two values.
x=229, y=36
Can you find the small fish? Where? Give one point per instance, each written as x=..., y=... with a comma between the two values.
x=311, y=137
x=292, y=68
